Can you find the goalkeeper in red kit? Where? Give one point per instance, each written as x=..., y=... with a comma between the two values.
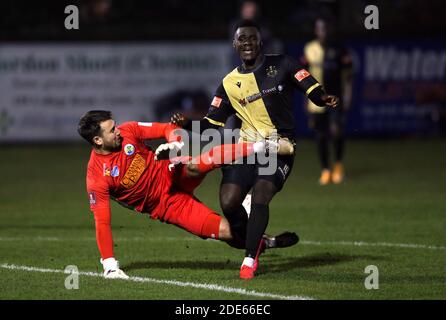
x=123, y=168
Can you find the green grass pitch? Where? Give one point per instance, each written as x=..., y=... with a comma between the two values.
x=390, y=212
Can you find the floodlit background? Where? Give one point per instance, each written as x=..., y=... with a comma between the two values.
x=145, y=60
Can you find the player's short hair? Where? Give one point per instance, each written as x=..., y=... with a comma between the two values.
x=90, y=124
x=246, y=24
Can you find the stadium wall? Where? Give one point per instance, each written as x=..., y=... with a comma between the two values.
x=399, y=87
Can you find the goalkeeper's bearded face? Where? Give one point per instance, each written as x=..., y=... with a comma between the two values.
x=110, y=138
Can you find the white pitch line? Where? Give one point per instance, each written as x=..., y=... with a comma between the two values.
x=205, y=286
x=374, y=244
x=56, y=239
x=303, y=242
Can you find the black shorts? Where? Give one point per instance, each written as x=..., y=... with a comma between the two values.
x=246, y=175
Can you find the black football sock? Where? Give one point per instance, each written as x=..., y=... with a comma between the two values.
x=238, y=221
x=323, y=151
x=257, y=223
x=339, y=146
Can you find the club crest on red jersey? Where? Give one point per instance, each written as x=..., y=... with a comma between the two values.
x=129, y=149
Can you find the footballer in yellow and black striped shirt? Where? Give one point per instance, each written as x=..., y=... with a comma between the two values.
x=262, y=96
x=259, y=92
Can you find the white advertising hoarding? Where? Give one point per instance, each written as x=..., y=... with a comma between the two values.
x=44, y=89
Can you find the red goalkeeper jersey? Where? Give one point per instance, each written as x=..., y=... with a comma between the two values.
x=130, y=176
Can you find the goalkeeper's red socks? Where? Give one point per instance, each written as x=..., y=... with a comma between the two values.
x=223, y=154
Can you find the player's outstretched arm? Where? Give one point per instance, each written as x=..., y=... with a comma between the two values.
x=320, y=98
x=104, y=241
x=182, y=121
x=310, y=86
x=171, y=149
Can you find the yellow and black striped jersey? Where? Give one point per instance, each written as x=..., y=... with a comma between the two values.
x=262, y=98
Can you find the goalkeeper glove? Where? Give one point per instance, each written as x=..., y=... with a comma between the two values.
x=164, y=150
x=111, y=269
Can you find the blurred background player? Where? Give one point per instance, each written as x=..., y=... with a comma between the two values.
x=331, y=64
x=259, y=92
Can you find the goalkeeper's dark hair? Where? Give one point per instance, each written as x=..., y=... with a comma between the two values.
x=90, y=124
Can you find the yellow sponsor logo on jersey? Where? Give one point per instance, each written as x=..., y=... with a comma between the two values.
x=134, y=172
